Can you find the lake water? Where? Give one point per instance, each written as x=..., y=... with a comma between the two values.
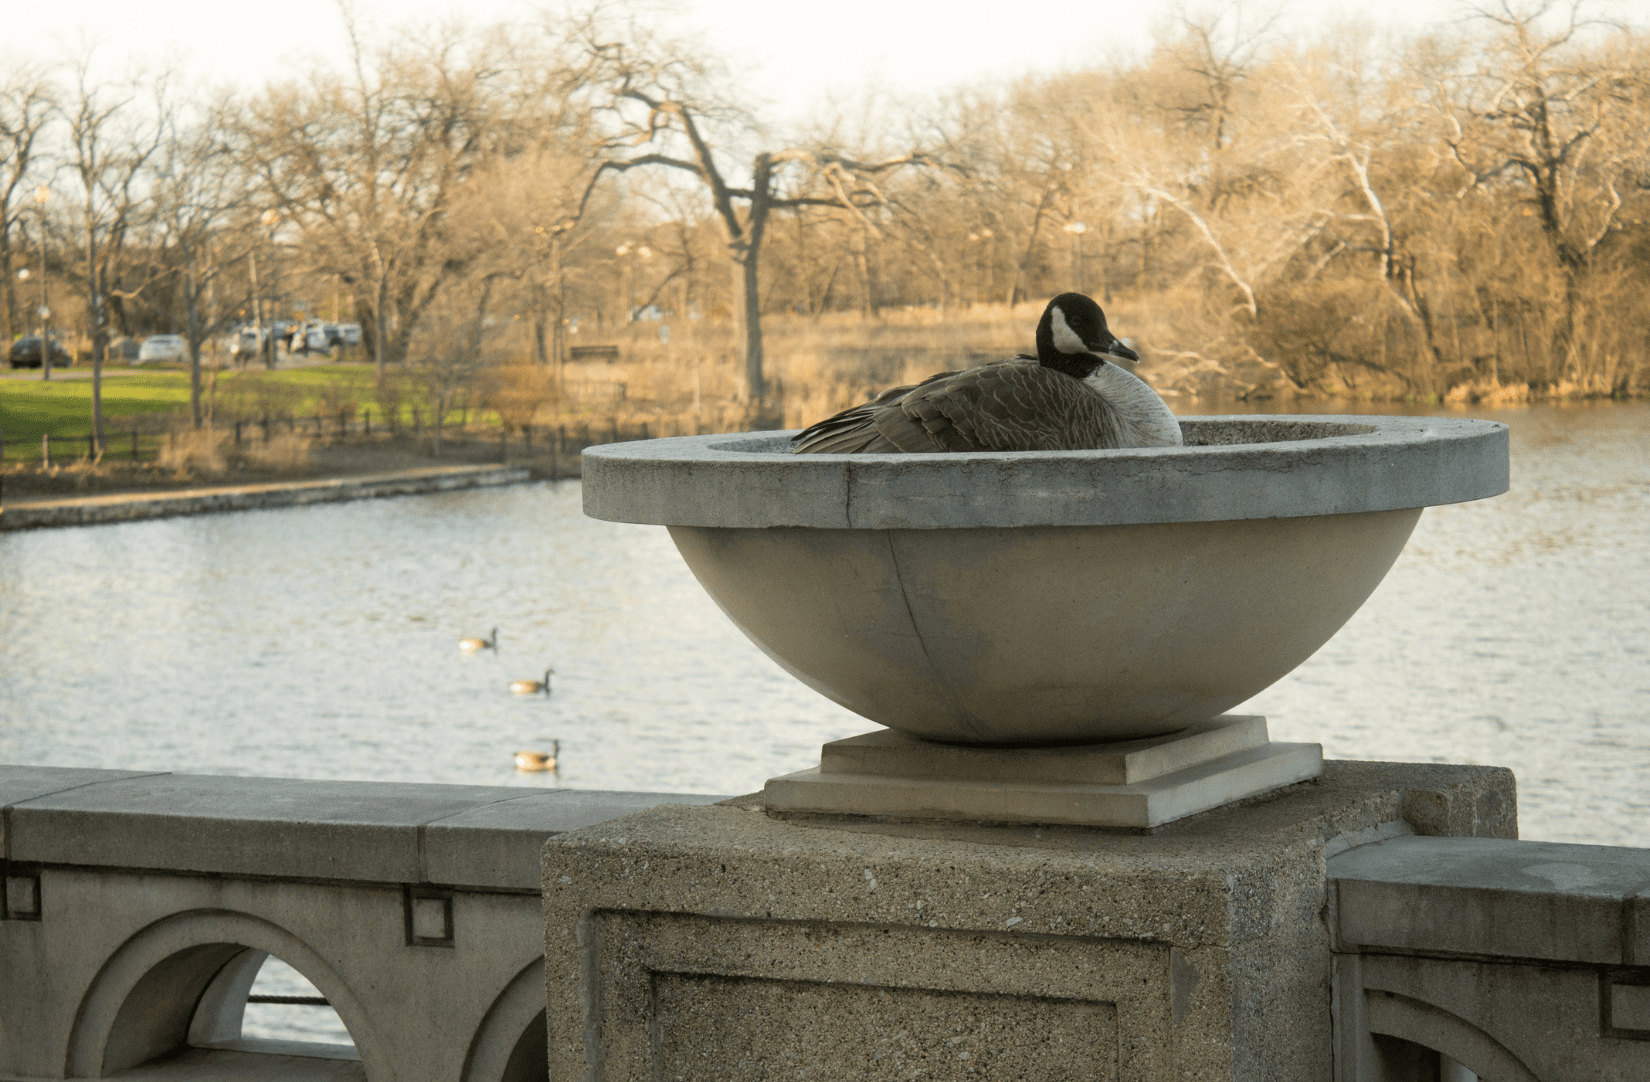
x=321, y=642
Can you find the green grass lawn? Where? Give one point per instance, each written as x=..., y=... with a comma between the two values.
x=30, y=407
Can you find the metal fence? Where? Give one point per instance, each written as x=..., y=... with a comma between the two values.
x=550, y=449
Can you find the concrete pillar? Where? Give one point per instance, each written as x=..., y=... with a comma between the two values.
x=726, y=943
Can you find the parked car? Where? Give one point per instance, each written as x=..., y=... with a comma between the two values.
x=25, y=353
x=163, y=347
x=243, y=343
x=351, y=333
x=124, y=350
x=316, y=339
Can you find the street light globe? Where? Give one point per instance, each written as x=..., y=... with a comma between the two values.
x=1076, y=227
x=42, y=193
x=270, y=216
x=23, y=275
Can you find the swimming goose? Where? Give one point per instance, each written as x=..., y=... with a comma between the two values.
x=470, y=646
x=538, y=760
x=1067, y=398
x=532, y=687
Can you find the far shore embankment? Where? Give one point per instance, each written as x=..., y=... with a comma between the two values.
x=35, y=512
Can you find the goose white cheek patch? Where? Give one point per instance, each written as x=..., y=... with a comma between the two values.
x=1065, y=339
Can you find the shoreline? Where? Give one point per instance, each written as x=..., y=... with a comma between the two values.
x=50, y=511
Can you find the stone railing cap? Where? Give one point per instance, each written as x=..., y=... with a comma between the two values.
x=399, y=832
x=1587, y=904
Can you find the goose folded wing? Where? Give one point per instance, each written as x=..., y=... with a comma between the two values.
x=1005, y=407
x=848, y=430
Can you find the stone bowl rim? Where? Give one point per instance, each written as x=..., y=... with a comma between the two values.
x=1394, y=462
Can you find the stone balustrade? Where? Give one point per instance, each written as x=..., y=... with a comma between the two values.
x=138, y=908
x=1517, y=961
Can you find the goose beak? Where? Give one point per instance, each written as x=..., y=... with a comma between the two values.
x=1115, y=348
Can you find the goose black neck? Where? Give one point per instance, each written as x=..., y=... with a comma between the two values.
x=1075, y=365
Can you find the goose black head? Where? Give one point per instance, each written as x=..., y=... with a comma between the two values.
x=1072, y=336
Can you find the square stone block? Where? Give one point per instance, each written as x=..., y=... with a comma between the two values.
x=1139, y=784
x=888, y=753
x=725, y=943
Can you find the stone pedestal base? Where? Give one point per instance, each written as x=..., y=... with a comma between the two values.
x=720, y=943
x=1134, y=783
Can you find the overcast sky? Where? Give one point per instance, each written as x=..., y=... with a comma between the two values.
x=796, y=53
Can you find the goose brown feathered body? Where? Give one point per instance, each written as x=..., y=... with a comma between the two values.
x=1067, y=398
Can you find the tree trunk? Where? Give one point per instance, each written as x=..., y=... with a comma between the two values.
x=194, y=316
x=747, y=318
x=541, y=317
x=95, y=293
x=558, y=326
x=746, y=250
x=7, y=280
x=1017, y=286
x=380, y=324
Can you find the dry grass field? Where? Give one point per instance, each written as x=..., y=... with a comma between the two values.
x=819, y=365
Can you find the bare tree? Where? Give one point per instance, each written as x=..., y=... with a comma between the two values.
x=368, y=167
x=525, y=215
x=676, y=112
x=204, y=227
x=27, y=102
x=1563, y=124
x=456, y=345
x=1218, y=48
x=113, y=133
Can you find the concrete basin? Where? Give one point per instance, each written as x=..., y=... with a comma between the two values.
x=1050, y=597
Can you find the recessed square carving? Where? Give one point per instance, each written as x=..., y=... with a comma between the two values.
x=1626, y=1002
x=429, y=917
x=809, y=1029
x=22, y=897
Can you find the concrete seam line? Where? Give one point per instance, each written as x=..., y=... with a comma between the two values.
x=488, y=804
x=85, y=785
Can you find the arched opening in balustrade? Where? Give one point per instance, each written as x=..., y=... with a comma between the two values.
x=1406, y=1061
x=282, y=1005
x=512, y=1044
x=178, y=991
x=259, y=1003
x=1417, y=1041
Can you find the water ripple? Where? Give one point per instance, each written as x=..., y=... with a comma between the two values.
x=321, y=642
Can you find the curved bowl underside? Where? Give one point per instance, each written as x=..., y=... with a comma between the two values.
x=1046, y=634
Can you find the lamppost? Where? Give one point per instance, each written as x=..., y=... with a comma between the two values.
x=1077, y=229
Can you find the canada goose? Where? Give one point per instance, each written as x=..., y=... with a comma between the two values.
x=470, y=646
x=532, y=687
x=538, y=760
x=1067, y=398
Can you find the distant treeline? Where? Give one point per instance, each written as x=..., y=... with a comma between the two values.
x=1457, y=215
